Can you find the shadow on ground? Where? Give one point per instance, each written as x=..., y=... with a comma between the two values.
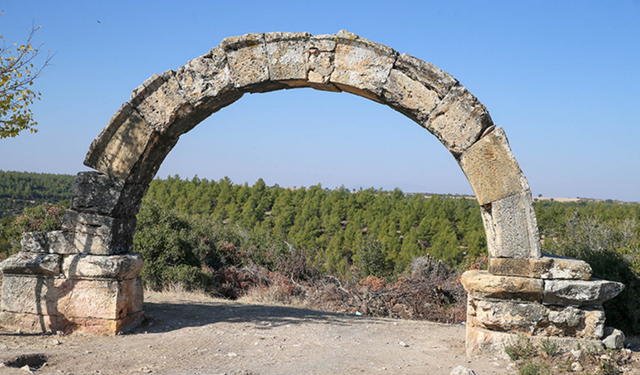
x=169, y=316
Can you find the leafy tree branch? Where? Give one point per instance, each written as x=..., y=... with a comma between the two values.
x=18, y=71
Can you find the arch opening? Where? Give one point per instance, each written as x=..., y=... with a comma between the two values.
x=143, y=131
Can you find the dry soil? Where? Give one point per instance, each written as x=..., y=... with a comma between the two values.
x=195, y=334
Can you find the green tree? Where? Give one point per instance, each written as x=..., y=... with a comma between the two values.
x=17, y=73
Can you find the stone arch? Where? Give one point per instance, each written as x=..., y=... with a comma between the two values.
x=129, y=151
x=85, y=278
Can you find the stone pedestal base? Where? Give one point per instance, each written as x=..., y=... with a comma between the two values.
x=548, y=298
x=84, y=293
x=485, y=342
x=32, y=323
x=38, y=304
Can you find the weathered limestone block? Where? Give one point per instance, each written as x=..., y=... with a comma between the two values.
x=458, y=120
x=150, y=161
x=567, y=268
x=95, y=192
x=286, y=56
x=534, y=318
x=614, y=338
x=120, y=144
x=45, y=295
x=128, y=149
x=491, y=168
x=30, y=323
x=409, y=97
x=32, y=263
x=482, y=284
x=33, y=323
x=511, y=227
x=54, y=242
x=320, y=61
x=164, y=106
x=102, y=235
x=249, y=67
x=580, y=292
x=34, y=242
x=426, y=73
x=361, y=66
x=505, y=315
x=484, y=341
x=100, y=266
x=594, y=321
x=546, y=267
x=206, y=82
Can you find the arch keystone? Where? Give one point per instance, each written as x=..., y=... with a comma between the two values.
x=248, y=63
x=286, y=56
x=320, y=62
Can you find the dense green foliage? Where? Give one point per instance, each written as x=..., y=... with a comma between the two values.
x=369, y=232
x=19, y=190
x=44, y=217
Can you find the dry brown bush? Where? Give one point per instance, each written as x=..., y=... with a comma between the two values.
x=433, y=292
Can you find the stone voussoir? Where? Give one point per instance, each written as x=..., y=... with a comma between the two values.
x=320, y=59
x=88, y=266
x=511, y=227
x=164, y=106
x=248, y=64
x=409, y=97
x=287, y=57
x=427, y=74
x=206, y=82
x=32, y=264
x=482, y=284
x=545, y=267
x=491, y=168
x=362, y=67
x=415, y=87
x=580, y=292
x=121, y=144
x=458, y=120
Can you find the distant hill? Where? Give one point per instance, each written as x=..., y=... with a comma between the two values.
x=19, y=190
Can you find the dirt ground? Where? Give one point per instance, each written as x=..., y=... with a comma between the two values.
x=195, y=334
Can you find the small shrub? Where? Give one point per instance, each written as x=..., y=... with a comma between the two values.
x=520, y=348
x=607, y=368
x=534, y=368
x=548, y=347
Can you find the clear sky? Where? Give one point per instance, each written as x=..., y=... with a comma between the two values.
x=561, y=77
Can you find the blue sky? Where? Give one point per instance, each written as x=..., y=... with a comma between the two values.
x=561, y=77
